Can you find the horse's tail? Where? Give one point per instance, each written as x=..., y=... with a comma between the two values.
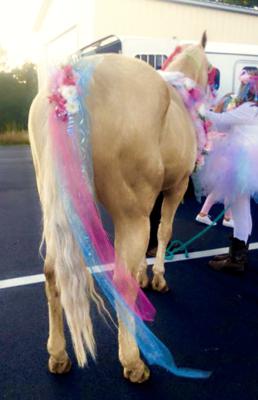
x=73, y=279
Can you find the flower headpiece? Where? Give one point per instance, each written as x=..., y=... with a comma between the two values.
x=64, y=93
x=249, y=85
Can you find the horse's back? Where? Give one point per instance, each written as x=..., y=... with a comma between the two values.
x=127, y=101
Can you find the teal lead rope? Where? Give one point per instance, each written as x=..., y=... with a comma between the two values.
x=183, y=246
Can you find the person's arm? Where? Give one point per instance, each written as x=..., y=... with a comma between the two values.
x=246, y=114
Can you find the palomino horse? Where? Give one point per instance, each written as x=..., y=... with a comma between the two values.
x=143, y=142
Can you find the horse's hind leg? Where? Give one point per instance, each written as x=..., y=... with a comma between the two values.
x=134, y=368
x=142, y=277
x=172, y=198
x=131, y=240
x=59, y=362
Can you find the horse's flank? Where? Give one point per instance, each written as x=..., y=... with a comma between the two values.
x=145, y=145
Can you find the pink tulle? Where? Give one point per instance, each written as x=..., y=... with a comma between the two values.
x=66, y=150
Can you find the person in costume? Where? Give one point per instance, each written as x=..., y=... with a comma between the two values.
x=227, y=103
x=230, y=168
x=204, y=218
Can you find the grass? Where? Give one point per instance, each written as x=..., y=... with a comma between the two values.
x=14, y=137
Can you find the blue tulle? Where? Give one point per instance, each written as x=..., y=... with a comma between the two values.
x=154, y=351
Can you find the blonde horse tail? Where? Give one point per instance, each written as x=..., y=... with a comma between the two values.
x=73, y=280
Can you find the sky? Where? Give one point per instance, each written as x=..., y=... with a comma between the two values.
x=17, y=18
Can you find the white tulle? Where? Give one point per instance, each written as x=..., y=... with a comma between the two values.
x=231, y=167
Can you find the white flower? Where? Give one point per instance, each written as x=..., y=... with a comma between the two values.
x=202, y=110
x=189, y=84
x=68, y=91
x=170, y=75
x=72, y=107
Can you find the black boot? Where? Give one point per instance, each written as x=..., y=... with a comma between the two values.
x=235, y=260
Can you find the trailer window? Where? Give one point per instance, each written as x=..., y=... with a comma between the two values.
x=155, y=60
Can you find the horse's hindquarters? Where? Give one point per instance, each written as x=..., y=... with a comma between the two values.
x=127, y=105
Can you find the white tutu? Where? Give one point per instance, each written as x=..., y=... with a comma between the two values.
x=231, y=167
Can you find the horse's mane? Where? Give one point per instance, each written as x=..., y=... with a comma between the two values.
x=181, y=55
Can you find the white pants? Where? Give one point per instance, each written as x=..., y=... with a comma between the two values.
x=241, y=213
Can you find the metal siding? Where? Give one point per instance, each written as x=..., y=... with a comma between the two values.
x=161, y=18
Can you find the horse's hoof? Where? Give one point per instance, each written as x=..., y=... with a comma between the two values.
x=159, y=284
x=165, y=289
x=59, y=367
x=143, y=280
x=137, y=374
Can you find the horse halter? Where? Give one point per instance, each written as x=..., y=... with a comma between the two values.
x=177, y=50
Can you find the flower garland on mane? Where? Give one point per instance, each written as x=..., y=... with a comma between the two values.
x=195, y=102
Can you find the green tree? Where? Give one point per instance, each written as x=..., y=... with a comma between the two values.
x=17, y=90
x=243, y=3
x=3, y=59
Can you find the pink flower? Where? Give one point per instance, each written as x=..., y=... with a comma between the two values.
x=207, y=124
x=69, y=78
x=196, y=93
x=61, y=113
x=58, y=99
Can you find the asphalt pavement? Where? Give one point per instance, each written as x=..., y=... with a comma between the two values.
x=209, y=320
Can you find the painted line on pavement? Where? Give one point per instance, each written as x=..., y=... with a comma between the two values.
x=39, y=278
